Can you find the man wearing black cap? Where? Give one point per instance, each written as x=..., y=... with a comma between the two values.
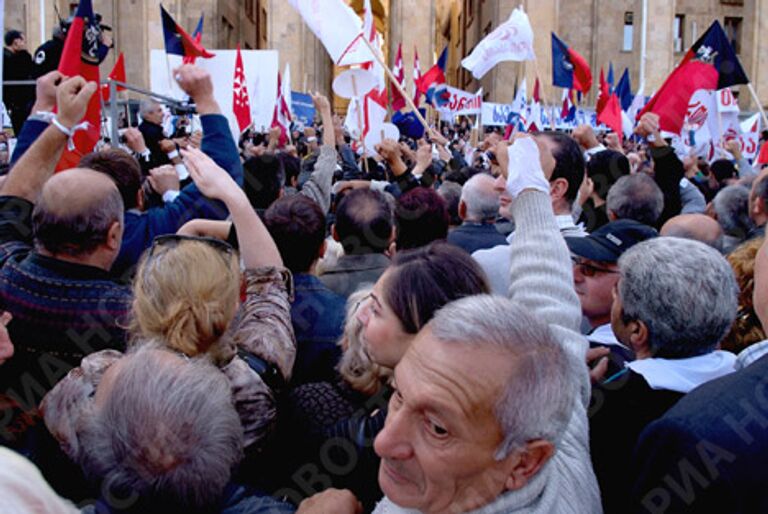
x=595, y=273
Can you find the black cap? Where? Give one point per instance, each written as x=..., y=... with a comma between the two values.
x=607, y=243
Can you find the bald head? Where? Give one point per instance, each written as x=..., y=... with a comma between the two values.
x=75, y=212
x=697, y=227
x=479, y=199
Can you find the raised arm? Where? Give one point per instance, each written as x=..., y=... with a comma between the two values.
x=36, y=166
x=541, y=275
x=318, y=186
x=256, y=245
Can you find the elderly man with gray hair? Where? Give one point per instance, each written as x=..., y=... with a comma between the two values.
x=731, y=206
x=488, y=412
x=478, y=208
x=161, y=434
x=674, y=302
x=635, y=197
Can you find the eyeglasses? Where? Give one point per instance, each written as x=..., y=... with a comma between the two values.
x=588, y=270
x=171, y=240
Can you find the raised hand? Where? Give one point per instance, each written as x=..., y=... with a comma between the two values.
x=212, y=180
x=72, y=98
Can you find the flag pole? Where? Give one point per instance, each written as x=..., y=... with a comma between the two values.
x=757, y=102
x=399, y=88
x=359, y=116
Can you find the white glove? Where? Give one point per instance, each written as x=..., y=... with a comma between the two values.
x=524, y=170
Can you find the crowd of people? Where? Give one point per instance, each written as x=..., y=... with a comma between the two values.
x=550, y=323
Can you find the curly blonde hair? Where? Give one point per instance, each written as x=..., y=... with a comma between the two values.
x=356, y=367
x=186, y=295
x=746, y=329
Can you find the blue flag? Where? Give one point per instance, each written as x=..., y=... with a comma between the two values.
x=610, y=76
x=624, y=90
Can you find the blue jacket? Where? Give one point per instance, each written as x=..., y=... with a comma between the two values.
x=317, y=314
x=142, y=227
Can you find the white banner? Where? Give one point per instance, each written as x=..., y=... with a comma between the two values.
x=458, y=102
x=726, y=102
x=496, y=115
x=260, y=77
x=510, y=41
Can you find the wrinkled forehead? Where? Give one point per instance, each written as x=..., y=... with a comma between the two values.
x=465, y=379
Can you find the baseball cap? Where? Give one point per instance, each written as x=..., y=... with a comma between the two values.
x=607, y=243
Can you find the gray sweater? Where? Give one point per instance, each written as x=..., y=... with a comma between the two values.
x=542, y=280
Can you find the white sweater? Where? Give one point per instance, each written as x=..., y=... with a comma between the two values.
x=542, y=280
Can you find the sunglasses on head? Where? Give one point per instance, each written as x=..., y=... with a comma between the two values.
x=171, y=240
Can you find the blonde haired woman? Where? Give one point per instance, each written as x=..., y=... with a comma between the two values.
x=186, y=297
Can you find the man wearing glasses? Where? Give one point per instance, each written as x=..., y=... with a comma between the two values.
x=595, y=273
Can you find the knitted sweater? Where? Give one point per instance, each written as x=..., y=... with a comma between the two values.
x=542, y=281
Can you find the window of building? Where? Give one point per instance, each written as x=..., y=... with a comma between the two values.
x=629, y=32
x=732, y=28
x=678, y=32
x=732, y=2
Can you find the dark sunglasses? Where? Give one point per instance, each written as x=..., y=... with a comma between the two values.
x=588, y=270
x=171, y=240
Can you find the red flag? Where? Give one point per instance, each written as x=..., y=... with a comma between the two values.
x=241, y=103
x=197, y=37
x=762, y=158
x=82, y=59
x=610, y=115
x=603, y=93
x=398, y=102
x=117, y=74
x=282, y=115
x=536, y=93
x=416, y=77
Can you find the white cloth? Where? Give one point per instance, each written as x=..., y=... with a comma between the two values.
x=524, y=170
x=604, y=335
x=683, y=375
x=23, y=490
x=510, y=41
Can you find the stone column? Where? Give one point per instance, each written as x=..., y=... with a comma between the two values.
x=412, y=23
x=660, y=58
x=756, y=67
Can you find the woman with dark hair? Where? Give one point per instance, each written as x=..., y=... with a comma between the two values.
x=318, y=426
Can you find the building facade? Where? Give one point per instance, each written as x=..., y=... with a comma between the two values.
x=603, y=31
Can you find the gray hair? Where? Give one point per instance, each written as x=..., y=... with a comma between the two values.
x=147, y=106
x=731, y=206
x=683, y=290
x=636, y=197
x=167, y=432
x=480, y=198
x=451, y=193
x=537, y=401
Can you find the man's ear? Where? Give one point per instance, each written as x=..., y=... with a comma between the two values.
x=335, y=234
x=638, y=338
x=612, y=215
x=114, y=236
x=462, y=210
x=140, y=199
x=523, y=464
x=558, y=188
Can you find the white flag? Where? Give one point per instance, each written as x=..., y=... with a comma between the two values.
x=521, y=99
x=511, y=41
x=286, y=85
x=337, y=26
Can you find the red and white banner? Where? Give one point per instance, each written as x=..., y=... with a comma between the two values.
x=455, y=102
